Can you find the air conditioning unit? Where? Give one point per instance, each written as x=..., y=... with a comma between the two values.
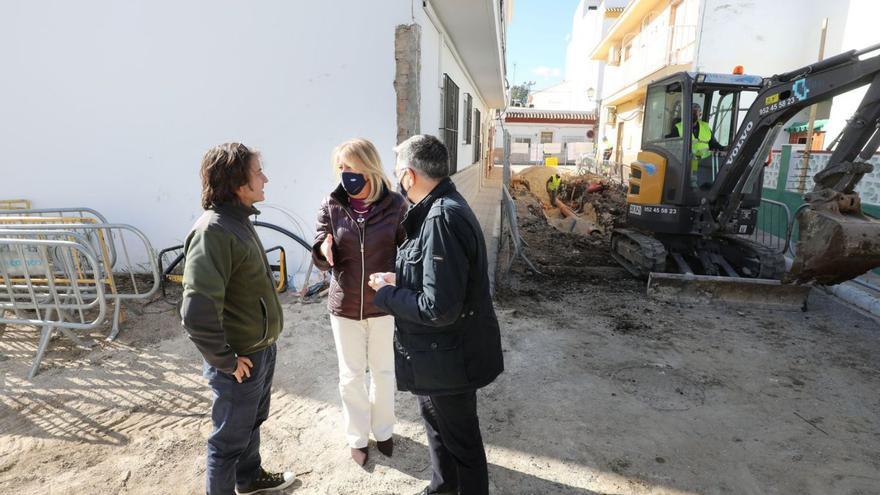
x=613, y=55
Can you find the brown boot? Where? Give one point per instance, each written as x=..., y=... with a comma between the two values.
x=386, y=447
x=360, y=455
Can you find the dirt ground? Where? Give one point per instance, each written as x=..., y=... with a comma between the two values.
x=605, y=392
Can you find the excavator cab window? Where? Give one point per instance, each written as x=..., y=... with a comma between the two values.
x=662, y=115
x=713, y=130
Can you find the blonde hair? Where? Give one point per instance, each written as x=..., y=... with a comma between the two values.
x=361, y=155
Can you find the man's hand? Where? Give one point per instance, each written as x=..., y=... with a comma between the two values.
x=242, y=368
x=379, y=280
x=327, y=248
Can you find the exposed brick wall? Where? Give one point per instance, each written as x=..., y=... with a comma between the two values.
x=407, y=54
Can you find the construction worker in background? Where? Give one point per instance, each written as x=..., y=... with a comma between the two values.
x=607, y=149
x=702, y=140
x=552, y=187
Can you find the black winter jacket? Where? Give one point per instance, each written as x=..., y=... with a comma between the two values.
x=446, y=337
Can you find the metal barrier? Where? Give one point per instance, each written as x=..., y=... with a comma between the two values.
x=85, y=215
x=102, y=238
x=774, y=218
x=50, y=282
x=793, y=232
x=14, y=204
x=508, y=213
x=605, y=168
x=80, y=212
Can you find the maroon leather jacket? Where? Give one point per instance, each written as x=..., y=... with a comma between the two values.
x=359, y=249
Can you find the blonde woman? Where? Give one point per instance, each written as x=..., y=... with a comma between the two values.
x=359, y=229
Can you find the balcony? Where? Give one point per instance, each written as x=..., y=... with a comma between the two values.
x=642, y=54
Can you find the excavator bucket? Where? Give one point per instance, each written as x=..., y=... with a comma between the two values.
x=731, y=291
x=834, y=247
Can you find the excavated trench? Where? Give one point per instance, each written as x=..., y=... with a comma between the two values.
x=570, y=258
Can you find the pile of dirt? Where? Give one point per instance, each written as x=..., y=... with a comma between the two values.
x=534, y=179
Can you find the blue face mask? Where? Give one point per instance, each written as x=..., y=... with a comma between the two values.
x=353, y=183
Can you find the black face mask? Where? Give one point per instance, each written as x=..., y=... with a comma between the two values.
x=402, y=190
x=353, y=183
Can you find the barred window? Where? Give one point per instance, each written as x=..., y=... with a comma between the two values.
x=449, y=130
x=477, y=136
x=468, y=112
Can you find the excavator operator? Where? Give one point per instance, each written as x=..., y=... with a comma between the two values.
x=702, y=140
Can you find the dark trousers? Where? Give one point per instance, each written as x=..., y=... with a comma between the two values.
x=237, y=413
x=458, y=459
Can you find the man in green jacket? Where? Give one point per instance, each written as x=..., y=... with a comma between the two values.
x=233, y=316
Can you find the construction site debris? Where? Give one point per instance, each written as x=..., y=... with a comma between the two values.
x=587, y=204
x=572, y=222
x=564, y=258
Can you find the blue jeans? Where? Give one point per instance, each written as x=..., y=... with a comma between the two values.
x=237, y=413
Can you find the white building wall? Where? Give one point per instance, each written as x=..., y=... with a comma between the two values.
x=859, y=31
x=431, y=78
x=566, y=95
x=581, y=73
x=736, y=33
x=583, y=37
x=562, y=133
x=113, y=104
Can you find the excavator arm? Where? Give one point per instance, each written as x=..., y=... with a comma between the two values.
x=837, y=241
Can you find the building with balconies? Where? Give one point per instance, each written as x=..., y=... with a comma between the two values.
x=651, y=39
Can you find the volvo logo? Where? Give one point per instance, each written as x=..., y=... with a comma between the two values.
x=739, y=143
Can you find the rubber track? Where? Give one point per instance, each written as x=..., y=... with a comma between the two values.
x=772, y=263
x=652, y=253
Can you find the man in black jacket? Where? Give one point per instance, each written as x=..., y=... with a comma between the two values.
x=446, y=341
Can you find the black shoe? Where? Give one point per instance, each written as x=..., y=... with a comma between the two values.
x=386, y=447
x=427, y=492
x=268, y=482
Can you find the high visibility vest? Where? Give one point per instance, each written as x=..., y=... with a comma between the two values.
x=699, y=143
x=554, y=183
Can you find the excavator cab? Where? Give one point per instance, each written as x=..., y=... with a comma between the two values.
x=676, y=169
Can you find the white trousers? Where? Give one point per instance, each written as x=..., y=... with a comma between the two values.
x=359, y=345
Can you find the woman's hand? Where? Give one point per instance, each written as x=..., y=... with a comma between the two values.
x=327, y=249
x=379, y=280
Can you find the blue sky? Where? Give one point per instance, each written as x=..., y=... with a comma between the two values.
x=537, y=40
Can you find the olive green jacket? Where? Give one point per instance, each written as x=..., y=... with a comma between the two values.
x=229, y=305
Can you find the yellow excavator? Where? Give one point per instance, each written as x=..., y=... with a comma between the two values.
x=693, y=197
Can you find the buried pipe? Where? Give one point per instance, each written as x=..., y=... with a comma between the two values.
x=566, y=211
x=587, y=227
